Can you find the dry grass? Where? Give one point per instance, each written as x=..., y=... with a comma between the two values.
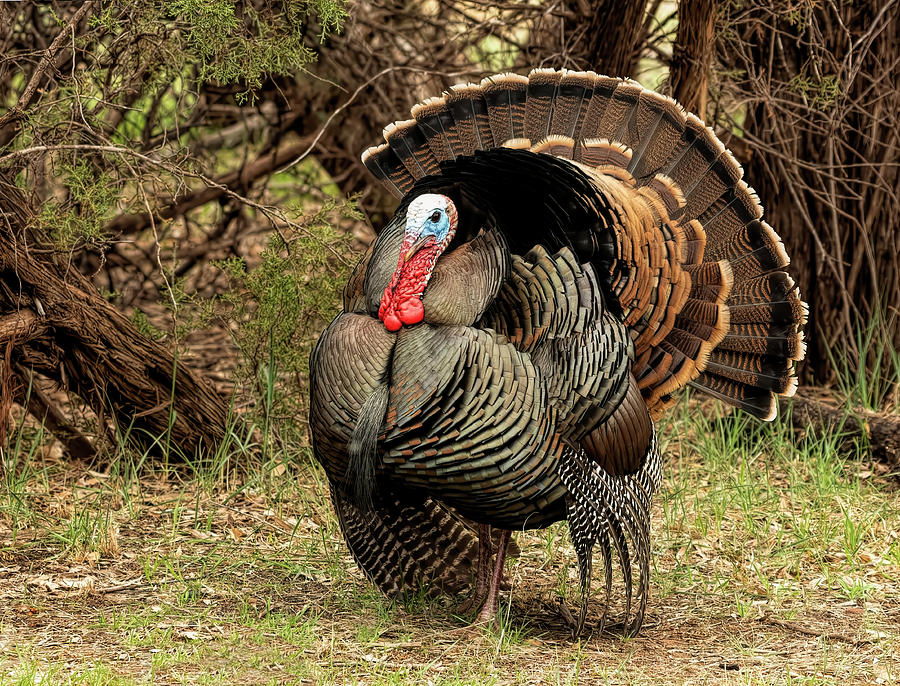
x=775, y=561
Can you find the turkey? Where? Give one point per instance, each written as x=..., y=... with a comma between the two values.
x=570, y=250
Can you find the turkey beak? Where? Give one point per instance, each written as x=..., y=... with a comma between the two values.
x=417, y=246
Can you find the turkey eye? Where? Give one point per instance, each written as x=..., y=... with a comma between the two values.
x=435, y=217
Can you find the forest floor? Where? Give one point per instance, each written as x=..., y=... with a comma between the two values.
x=774, y=561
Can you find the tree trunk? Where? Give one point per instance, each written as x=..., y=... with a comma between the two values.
x=59, y=326
x=603, y=36
x=815, y=87
x=692, y=54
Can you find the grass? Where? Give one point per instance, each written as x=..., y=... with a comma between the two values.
x=776, y=560
x=868, y=370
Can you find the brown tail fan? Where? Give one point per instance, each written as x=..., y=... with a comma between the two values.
x=698, y=274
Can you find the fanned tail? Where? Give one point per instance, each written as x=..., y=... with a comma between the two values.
x=698, y=274
x=738, y=335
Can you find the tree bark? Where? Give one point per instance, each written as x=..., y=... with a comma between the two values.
x=692, y=54
x=603, y=36
x=60, y=327
x=612, y=39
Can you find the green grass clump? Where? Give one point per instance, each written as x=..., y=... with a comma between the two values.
x=868, y=371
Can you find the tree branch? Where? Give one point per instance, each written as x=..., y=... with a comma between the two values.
x=27, y=97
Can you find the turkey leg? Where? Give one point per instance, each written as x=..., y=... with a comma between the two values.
x=488, y=612
x=483, y=572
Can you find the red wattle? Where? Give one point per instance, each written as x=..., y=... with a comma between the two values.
x=401, y=302
x=391, y=323
x=386, y=305
x=411, y=311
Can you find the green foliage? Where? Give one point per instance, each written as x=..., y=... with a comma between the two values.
x=189, y=311
x=287, y=298
x=80, y=218
x=106, y=18
x=146, y=328
x=235, y=43
x=820, y=91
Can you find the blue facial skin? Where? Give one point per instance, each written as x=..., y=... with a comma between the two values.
x=436, y=224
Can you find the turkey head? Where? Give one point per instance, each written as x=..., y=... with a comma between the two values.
x=439, y=261
x=431, y=222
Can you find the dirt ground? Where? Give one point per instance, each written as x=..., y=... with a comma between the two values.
x=172, y=581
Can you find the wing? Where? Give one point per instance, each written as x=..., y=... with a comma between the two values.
x=551, y=307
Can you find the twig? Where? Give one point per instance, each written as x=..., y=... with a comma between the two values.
x=138, y=583
x=806, y=631
x=340, y=109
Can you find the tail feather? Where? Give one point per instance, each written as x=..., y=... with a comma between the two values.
x=754, y=251
x=759, y=402
x=385, y=165
x=469, y=111
x=765, y=371
x=600, y=152
x=434, y=119
x=505, y=96
x=595, y=112
x=697, y=169
x=735, y=209
x=614, y=124
x=703, y=312
x=542, y=85
x=573, y=93
x=410, y=145
x=765, y=338
x=673, y=200
x=769, y=298
x=556, y=145
x=660, y=123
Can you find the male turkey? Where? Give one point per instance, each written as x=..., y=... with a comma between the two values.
x=570, y=251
